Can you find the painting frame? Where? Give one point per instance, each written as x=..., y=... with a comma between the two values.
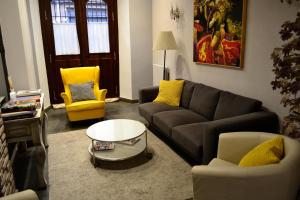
x=221, y=44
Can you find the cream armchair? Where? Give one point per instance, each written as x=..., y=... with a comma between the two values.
x=24, y=195
x=223, y=179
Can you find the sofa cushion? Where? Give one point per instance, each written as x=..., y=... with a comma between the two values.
x=190, y=139
x=85, y=105
x=268, y=152
x=186, y=94
x=231, y=105
x=204, y=100
x=147, y=110
x=170, y=92
x=166, y=120
x=82, y=91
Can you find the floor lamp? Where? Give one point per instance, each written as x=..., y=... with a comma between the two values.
x=165, y=41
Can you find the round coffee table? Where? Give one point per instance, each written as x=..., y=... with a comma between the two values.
x=119, y=132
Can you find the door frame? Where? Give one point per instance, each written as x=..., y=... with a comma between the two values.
x=49, y=45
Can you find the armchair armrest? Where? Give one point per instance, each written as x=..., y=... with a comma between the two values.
x=148, y=94
x=247, y=183
x=24, y=195
x=67, y=99
x=262, y=121
x=101, y=94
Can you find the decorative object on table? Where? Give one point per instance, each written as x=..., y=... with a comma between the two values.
x=175, y=13
x=286, y=62
x=219, y=32
x=82, y=110
x=165, y=41
x=102, y=146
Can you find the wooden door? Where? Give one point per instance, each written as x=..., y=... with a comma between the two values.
x=80, y=33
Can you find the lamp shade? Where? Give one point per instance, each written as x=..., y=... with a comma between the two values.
x=165, y=41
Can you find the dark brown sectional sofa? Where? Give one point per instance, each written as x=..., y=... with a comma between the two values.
x=203, y=114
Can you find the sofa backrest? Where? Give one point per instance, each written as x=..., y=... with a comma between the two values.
x=231, y=105
x=187, y=92
x=204, y=100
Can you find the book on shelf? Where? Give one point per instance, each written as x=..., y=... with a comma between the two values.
x=17, y=107
x=24, y=93
x=102, y=146
x=18, y=115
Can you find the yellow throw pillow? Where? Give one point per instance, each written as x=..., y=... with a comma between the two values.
x=170, y=92
x=268, y=152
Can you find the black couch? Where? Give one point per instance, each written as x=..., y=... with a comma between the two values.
x=203, y=114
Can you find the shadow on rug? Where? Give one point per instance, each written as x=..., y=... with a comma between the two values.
x=73, y=176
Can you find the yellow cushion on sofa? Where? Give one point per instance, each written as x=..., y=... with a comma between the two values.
x=170, y=92
x=268, y=152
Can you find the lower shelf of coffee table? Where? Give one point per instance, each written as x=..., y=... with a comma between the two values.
x=121, y=151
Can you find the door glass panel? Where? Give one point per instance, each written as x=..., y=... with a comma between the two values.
x=97, y=24
x=64, y=27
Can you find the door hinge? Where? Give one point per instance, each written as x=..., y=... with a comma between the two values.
x=116, y=90
x=46, y=18
x=50, y=58
x=115, y=55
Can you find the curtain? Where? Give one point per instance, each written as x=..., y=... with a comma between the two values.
x=66, y=39
x=98, y=37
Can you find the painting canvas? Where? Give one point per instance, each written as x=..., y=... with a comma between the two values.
x=219, y=32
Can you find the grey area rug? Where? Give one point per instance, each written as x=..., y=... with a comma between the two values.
x=72, y=175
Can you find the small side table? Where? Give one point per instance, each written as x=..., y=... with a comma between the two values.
x=31, y=129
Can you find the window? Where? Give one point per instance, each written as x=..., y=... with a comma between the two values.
x=97, y=24
x=64, y=27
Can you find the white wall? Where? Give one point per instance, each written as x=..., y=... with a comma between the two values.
x=124, y=49
x=135, y=46
x=14, y=43
x=264, y=19
x=141, y=44
x=38, y=49
x=23, y=44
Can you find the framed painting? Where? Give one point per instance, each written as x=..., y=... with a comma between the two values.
x=219, y=32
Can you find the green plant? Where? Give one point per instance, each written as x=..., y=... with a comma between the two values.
x=286, y=66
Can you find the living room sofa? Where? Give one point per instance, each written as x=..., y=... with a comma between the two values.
x=203, y=114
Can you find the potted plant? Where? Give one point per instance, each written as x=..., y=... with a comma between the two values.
x=286, y=66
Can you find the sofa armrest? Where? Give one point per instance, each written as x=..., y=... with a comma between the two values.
x=257, y=121
x=24, y=195
x=67, y=99
x=101, y=94
x=259, y=183
x=148, y=94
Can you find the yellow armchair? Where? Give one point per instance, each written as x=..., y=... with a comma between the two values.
x=82, y=110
